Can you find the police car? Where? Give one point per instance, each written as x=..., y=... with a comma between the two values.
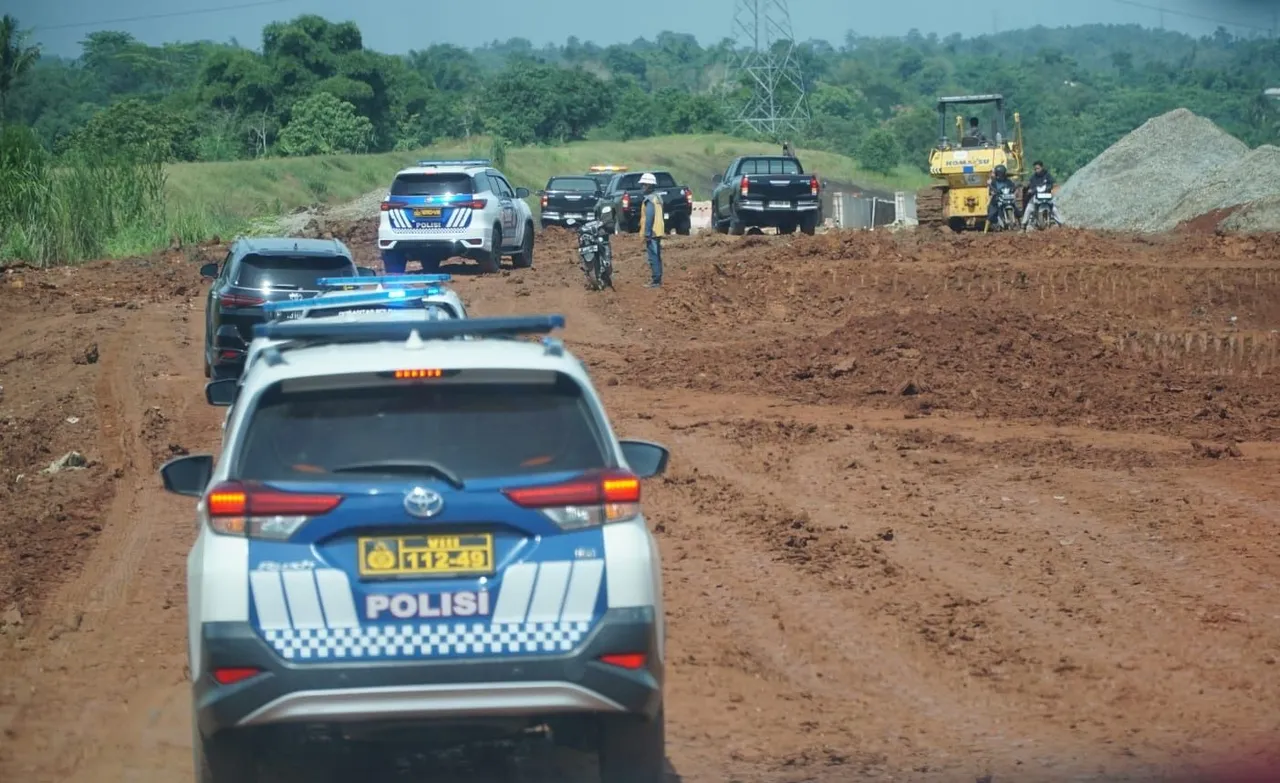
x=444, y=208
x=418, y=530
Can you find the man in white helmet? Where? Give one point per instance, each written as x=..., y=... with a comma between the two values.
x=651, y=220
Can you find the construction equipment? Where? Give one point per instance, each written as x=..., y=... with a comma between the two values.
x=964, y=165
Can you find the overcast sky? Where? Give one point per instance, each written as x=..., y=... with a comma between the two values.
x=395, y=28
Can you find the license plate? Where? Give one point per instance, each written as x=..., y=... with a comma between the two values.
x=427, y=212
x=392, y=557
x=289, y=316
x=779, y=205
x=666, y=215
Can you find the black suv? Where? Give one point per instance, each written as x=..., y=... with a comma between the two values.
x=256, y=271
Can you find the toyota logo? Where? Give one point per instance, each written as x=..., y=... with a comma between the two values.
x=423, y=502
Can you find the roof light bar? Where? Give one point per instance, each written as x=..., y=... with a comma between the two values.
x=464, y=162
x=357, y=298
x=339, y=282
x=318, y=330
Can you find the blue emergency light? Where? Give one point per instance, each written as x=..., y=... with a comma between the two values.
x=430, y=164
x=355, y=299
x=322, y=330
x=341, y=282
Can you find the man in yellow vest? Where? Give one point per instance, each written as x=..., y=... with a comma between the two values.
x=655, y=227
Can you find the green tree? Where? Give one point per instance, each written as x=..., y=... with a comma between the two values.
x=137, y=129
x=879, y=151
x=16, y=58
x=325, y=125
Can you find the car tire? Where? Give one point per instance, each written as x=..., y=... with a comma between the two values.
x=208, y=368
x=736, y=227
x=524, y=259
x=633, y=749
x=684, y=226
x=224, y=758
x=491, y=261
x=809, y=225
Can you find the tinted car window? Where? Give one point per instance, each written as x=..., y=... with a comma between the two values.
x=770, y=166
x=291, y=271
x=476, y=430
x=632, y=181
x=585, y=184
x=431, y=184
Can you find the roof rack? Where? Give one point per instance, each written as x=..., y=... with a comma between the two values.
x=382, y=280
x=320, y=332
x=428, y=164
x=355, y=299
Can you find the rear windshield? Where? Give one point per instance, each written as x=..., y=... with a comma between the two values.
x=770, y=166
x=632, y=181
x=431, y=184
x=475, y=430
x=291, y=271
x=586, y=184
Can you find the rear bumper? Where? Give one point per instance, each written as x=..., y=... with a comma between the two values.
x=758, y=212
x=352, y=692
x=417, y=249
x=562, y=218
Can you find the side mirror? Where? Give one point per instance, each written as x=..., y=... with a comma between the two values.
x=222, y=393
x=364, y=271
x=645, y=458
x=209, y=271
x=228, y=339
x=187, y=475
x=522, y=193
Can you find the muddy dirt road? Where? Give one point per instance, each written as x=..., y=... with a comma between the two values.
x=939, y=507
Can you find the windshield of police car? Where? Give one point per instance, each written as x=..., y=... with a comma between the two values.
x=431, y=184
x=475, y=430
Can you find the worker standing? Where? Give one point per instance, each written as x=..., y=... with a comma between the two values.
x=654, y=225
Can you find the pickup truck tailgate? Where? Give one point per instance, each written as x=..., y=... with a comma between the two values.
x=779, y=187
x=570, y=201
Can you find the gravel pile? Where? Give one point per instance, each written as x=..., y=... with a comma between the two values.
x=1260, y=215
x=1139, y=181
x=1253, y=176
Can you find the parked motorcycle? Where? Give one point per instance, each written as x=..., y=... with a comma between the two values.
x=1042, y=209
x=595, y=251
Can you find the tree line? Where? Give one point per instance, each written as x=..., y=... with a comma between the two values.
x=314, y=88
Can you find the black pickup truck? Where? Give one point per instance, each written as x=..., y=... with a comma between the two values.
x=760, y=191
x=569, y=200
x=624, y=195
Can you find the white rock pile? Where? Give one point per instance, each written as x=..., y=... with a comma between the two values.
x=1175, y=167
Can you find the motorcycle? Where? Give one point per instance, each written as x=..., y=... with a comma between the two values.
x=1006, y=211
x=595, y=251
x=1042, y=206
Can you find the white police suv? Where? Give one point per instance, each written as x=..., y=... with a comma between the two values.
x=417, y=533
x=444, y=208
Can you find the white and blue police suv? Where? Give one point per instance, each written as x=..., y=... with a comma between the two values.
x=445, y=208
x=420, y=532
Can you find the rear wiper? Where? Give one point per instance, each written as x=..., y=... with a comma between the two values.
x=394, y=466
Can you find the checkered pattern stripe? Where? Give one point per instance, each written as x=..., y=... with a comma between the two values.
x=428, y=640
x=402, y=220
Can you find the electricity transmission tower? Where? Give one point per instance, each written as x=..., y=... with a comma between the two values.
x=764, y=57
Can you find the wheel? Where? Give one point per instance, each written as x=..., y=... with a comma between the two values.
x=809, y=224
x=431, y=265
x=633, y=749
x=789, y=228
x=208, y=370
x=524, y=259
x=736, y=227
x=684, y=226
x=492, y=261
x=224, y=758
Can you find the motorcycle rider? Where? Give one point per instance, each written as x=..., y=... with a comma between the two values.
x=999, y=181
x=653, y=225
x=1039, y=176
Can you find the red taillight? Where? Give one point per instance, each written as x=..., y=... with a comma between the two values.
x=243, y=508
x=688, y=194
x=240, y=300
x=473, y=204
x=813, y=186
x=230, y=354
x=544, y=202
x=389, y=205
x=746, y=185
x=626, y=201
x=233, y=674
x=592, y=499
x=632, y=661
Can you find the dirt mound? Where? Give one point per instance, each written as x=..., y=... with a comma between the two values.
x=1138, y=183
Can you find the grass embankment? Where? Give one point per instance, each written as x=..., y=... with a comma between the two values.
x=202, y=200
